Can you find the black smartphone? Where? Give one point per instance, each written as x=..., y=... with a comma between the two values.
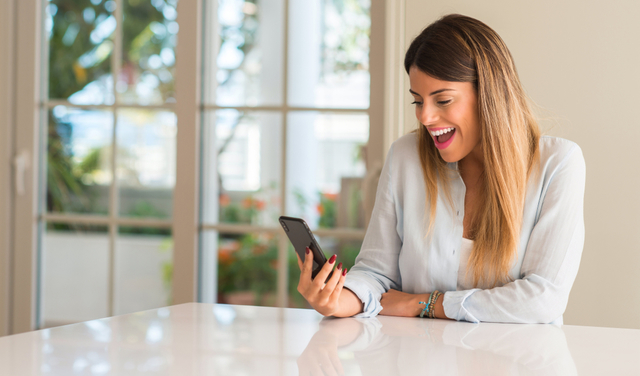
x=301, y=237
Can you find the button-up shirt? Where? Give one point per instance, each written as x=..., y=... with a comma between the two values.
x=395, y=253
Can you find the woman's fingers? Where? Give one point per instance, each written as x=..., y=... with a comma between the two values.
x=318, y=281
x=335, y=295
x=300, y=264
x=332, y=282
x=305, y=273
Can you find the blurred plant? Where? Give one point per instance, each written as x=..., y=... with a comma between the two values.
x=68, y=182
x=80, y=36
x=145, y=209
x=240, y=212
x=248, y=263
x=345, y=46
x=167, y=269
x=301, y=200
x=238, y=61
x=327, y=208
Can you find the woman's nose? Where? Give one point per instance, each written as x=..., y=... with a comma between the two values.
x=428, y=115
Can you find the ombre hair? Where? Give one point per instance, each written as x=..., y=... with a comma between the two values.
x=462, y=49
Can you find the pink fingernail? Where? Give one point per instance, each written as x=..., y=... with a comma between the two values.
x=339, y=266
x=307, y=250
x=344, y=272
x=332, y=259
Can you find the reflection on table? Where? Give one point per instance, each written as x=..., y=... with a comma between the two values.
x=401, y=346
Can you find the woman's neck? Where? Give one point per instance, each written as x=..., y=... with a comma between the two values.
x=471, y=168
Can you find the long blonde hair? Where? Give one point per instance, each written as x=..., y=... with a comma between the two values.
x=463, y=49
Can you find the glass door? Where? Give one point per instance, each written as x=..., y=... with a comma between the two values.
x=109, y=158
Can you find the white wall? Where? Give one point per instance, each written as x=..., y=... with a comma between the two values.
x=579, y=60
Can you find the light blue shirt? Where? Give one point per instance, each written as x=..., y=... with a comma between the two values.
x=396, y=255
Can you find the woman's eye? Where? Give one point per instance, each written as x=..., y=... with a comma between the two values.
x=416, y=102
x=443, y=103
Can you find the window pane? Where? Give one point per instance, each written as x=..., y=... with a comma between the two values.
x=243, y=52
x=329, y=53
x=247, y=268
x=80, y=45
x=242, y=167
x=149, y=42
x=144, y=269
x=326, y=168
x=78, y=160
x=75, y=274
x=146, y=162
x=346, y=250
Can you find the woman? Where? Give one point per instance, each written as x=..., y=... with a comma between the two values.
x=475, y=212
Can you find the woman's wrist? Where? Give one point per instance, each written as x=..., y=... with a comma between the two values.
x=439, y=307
x=416, y=303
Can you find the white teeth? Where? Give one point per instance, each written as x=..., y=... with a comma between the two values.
x=441, y=132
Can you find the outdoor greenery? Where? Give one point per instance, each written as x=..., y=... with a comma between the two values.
x=81, y=43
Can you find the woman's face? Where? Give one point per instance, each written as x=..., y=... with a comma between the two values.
x=449, y=111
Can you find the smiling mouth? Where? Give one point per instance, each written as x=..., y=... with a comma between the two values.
x=443, y=138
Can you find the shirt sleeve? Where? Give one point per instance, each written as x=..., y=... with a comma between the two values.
x=376, y=269
x=550, y=264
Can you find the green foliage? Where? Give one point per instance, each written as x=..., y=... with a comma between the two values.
x=167, y=269
x=345, y=46
x=67, y=190
x=144, y=209
x=76, y=59
x=248, y=263
x=71, y=38
x=301, y=199
x=328, y=210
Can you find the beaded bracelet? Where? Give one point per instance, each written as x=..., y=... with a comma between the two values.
x=428, y=306
x=432, y=302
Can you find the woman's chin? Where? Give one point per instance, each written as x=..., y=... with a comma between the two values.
x=449, y=157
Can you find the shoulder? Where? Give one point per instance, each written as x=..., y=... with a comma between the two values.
x=558, y=154
x=404, y=148
x=556, y=151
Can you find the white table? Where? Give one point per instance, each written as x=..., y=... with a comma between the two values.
x=207, y=339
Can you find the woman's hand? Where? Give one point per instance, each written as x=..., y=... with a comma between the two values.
x=398, y=303
x=324, y=298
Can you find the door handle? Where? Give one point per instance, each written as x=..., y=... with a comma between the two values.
x=21, y=163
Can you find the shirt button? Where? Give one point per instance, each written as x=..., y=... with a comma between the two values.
x=454, y=251
x=458, y=212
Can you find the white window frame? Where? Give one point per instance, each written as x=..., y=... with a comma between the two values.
x=18, y=289
x=7, y=87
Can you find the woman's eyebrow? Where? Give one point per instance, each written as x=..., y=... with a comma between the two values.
x=433, y=93
x=440, y=91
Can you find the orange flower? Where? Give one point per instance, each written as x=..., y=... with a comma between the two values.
x=331, y=196
x=260, y=204
x=247, y=202
x=320, y=209
x=224, y=256
x=224, y=200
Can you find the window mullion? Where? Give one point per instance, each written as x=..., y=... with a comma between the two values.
x=283, y=267
x=186, y=193
x=116, y=62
